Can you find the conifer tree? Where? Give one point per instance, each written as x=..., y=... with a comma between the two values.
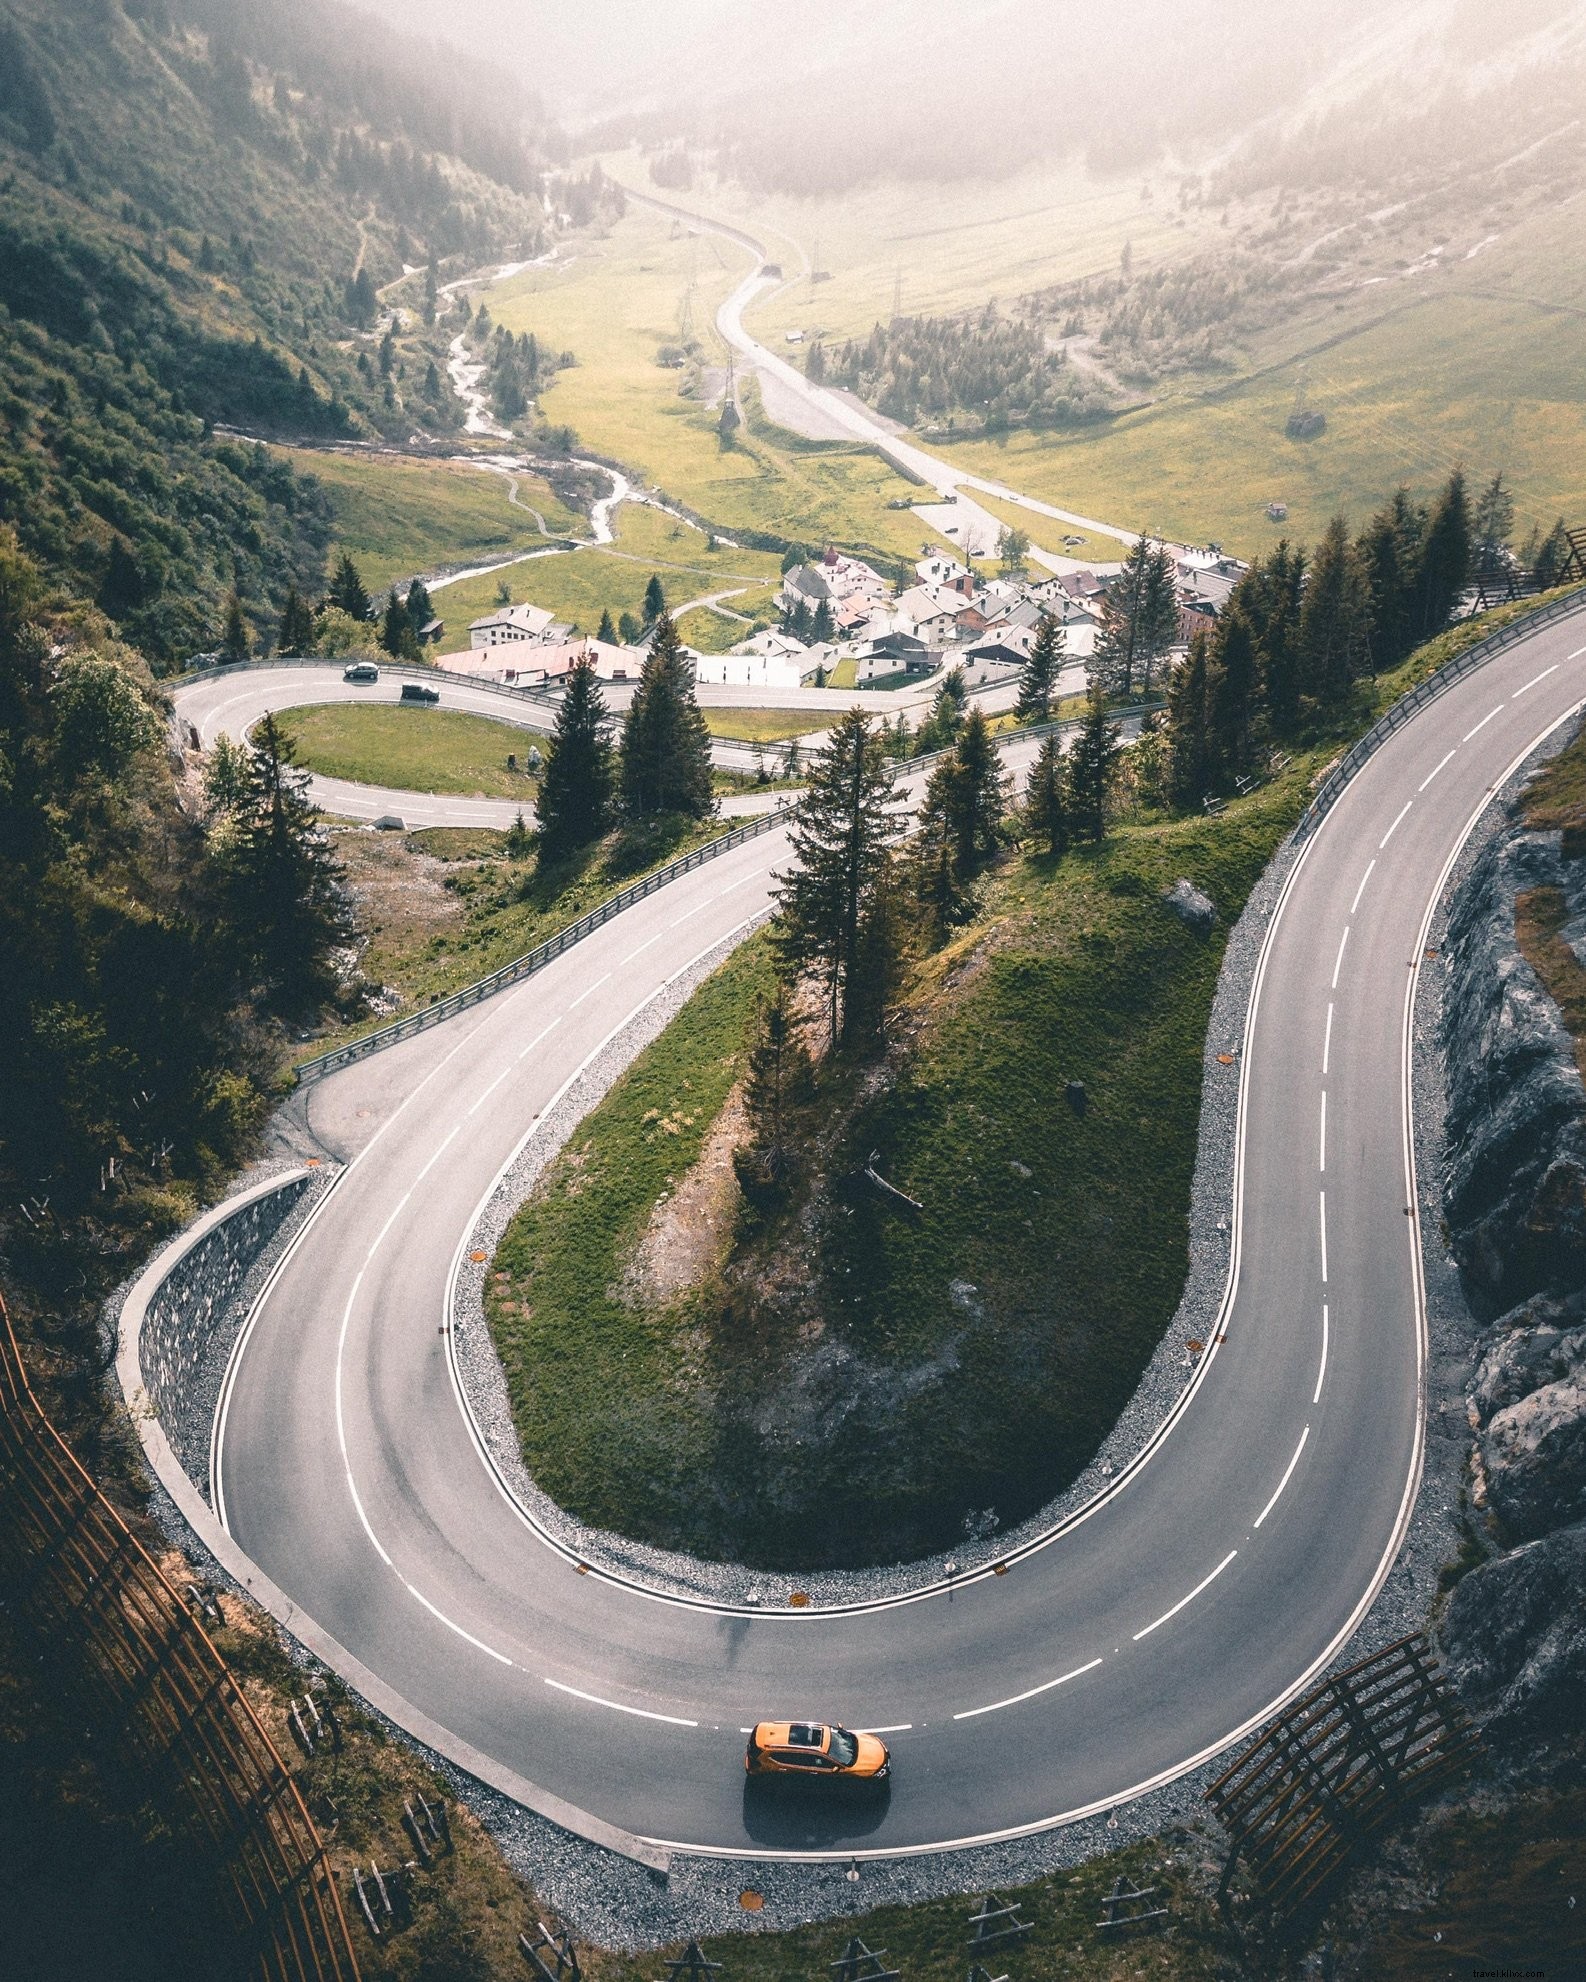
x=1491, y=527
x=289, y=903
x=1445, y=558
x=974, y=794
x=654, y=599
x=1390, y=555
x=347, y=590
x=1335, y=619
x=575, y=799
x=1139, y=618
x=1038, y=676
x=778, y=1081
x=606, y=631
x=234, y=642
x=1233, y=688
x=297, y=625
x=396, y=634
x=1269, y=596
x=1046, y=799
x=665, y=745
x=420, y=608
x=840, y=834
x=1189, y=727
x=1092, y=764
x=1546, y=556
x=939, y=883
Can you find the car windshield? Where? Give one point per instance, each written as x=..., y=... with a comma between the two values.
x=844, y=1749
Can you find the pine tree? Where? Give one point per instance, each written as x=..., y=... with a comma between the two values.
x=420, y=609
x=665, y=745
x=1139, y=619
x=1092, y=764
x=1492, y=525
x=297, y=625
x=347, y=590
x=607, y=632
x=939, y=882
x=778, y=1081
x=1445, y=558
x=840, y=837
x=289, y=903
x=976, y=797
x=234, y=642
x=1233, y=684
x=823, y=627
x=396, y=634
x=227, y=771
x=1335, y=619
x=1390, y=556
x=576, y=791
x=1046, y=799
x=1189, y=727
x=1038, y=676
x=654, y=599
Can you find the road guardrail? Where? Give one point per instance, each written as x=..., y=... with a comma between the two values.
x=1332, y=786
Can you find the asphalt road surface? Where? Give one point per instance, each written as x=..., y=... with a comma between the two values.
x=1217, y=1575
x=231, y=704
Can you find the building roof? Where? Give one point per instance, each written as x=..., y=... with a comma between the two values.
x=528, y=622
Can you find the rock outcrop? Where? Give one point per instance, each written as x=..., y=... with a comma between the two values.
x=1515, y=1191
x=1514, y=1197
x=1515, y=1638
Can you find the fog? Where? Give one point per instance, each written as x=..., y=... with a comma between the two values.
x=1189, y=69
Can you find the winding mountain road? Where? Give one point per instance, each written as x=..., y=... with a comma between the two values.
x=1215, y=1577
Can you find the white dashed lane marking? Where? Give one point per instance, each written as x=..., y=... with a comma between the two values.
x=1201, y=1585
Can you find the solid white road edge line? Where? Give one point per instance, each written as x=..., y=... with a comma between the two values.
x=973, y=1713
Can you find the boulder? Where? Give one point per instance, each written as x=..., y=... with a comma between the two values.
x=1195, y=910
x=1514, y=1638
x=1534, y=1453
x=1541, y=1342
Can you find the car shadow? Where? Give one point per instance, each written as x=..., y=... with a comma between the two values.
x=812, y=1816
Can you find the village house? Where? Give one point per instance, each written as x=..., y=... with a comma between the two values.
x=508, y=624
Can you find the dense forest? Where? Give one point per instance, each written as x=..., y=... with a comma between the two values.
x=201, y=207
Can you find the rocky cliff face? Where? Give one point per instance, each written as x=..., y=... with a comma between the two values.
x=1515, y=1192
x=1515, y=1205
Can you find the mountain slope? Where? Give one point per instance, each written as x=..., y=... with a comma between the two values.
x=198, y=206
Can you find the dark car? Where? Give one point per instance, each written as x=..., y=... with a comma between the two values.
x=415, y=691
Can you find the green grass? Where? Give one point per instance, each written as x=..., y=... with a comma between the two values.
x=763, y=725
x=616, y=303
x=639, y=1418
x=413, y=749
x=396, y=516
x=1492, y=382
x=578, y=586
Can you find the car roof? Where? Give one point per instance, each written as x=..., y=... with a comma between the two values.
x=792, y=1734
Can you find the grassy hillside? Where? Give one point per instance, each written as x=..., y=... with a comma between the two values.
x=413, y=749
x=186, y=196
x=973, y=1358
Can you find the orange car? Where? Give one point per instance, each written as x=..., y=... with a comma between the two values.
x=812, y=1748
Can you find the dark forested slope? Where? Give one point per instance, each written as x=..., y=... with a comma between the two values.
x=200, y=201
